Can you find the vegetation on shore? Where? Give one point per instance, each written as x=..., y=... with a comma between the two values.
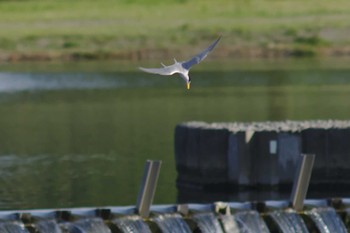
x=137, y=29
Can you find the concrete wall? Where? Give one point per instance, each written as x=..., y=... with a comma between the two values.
x=261, y=154
x=289, y=151
x=201, y=155
x=332, y=149
x=239, y=167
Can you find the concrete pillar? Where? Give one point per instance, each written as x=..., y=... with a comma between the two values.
x=339, y=155
x=239, y=159
x=213, y=159
x=315, y=141
x=265, y=153
x=263, y=147
x=289, y=150
x=180, y=144
x=187, y=154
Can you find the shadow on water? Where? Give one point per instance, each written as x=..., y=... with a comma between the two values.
x=79, y=135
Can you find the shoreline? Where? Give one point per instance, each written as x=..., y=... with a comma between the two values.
x=278, y=52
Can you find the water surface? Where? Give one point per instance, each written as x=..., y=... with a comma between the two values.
x=78, y=134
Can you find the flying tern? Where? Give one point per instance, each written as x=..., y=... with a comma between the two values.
x=182, y=68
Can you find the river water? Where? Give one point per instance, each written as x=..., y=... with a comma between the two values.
x=78, y=134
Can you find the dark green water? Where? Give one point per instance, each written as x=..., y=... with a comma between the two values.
x=78, y=134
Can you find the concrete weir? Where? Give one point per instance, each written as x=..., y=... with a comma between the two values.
x=261, y=154
x=321, y=215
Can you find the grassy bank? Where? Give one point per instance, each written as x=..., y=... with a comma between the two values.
x=48, y=29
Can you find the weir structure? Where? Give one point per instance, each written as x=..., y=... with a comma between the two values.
x=322, y=215
x=219, y=217
x=258, y=160
x=294, y=216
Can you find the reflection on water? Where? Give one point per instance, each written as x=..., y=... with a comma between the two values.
x=79, y=136
x=14, y=82
x=37, y=179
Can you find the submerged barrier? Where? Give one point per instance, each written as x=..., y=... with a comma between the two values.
x=323, y=215
x=231, y=156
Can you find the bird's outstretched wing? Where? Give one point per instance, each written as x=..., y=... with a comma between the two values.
x=166, y=70
x=199, y=57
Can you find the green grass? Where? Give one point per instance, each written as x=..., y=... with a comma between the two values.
x=126, y=26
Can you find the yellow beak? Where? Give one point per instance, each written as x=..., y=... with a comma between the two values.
x=188, y=86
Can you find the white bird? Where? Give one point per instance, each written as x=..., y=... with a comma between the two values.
x=184, y=67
